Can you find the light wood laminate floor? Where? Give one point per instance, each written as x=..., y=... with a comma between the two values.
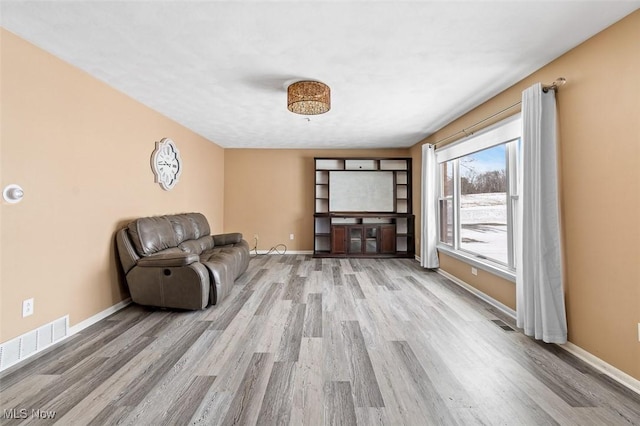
x=305, y=341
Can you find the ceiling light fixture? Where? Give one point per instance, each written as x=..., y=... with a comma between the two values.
x=308, y=98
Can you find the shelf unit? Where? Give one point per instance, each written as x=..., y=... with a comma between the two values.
x=388, y=233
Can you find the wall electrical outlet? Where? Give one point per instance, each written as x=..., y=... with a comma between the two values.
x=291, y=236
x=27, y=307
x=474, y=271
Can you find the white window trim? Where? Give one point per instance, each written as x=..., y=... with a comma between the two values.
x=503, y=132
x=484, y=264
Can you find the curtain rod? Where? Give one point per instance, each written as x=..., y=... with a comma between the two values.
x=545, y=88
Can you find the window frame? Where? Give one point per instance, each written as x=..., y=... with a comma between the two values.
x=442, y=197
x=509, y=133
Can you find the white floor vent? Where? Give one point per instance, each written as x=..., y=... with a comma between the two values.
x=32, y=342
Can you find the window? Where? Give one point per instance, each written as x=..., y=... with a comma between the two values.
x=477, y=196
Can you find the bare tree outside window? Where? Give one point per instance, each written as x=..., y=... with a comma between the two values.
x=483, y=204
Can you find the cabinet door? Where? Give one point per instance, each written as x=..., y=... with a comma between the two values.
x=355, y=239
x=338, y=239
x=371, y=239
x=387, y=239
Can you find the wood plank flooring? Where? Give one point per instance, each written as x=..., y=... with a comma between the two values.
x=305, y=341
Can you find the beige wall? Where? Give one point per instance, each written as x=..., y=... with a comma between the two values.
x=599, y=124
x=81, y=151
x=502, y=290
x=270, y=192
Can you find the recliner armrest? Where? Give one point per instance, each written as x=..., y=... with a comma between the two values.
x=163, y=260
x=224, y=239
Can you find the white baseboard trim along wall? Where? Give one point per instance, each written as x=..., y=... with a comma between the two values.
x=253, y=252
x=99, y=316
x=595, y=362
x=471, y=289
x=35, y=341
x=607, y=369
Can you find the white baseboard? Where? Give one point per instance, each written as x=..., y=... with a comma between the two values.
x=619, y=376
x=471, y=289
x=281, y=252
x=23, y=347
x=99, y=316
x=605, y=368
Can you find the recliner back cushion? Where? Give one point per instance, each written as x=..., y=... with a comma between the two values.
x=189, y=226
x=197, y=246
x=152, y=234
x=201, y=222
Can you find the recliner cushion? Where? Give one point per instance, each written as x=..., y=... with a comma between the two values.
x=189, y=226
x=229, y=238
x=228, y=255
x=201, y=223
x=197, y=246
x=152, y=234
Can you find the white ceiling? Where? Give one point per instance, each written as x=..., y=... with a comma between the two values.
x=398, y=71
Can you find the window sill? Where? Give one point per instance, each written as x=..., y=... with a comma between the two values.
x=494, y=269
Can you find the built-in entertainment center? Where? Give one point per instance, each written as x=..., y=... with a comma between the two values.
x=363, y=207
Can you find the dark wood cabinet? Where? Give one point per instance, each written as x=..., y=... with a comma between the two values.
x=379, y=189
x=339, y=239
x=387, y=239
x=370, y=239
x=363, y=239
x=355, y=239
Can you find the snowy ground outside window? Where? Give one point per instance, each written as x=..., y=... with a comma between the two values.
x=483, y=223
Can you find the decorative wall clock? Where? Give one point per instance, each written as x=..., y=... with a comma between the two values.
x=166, y=164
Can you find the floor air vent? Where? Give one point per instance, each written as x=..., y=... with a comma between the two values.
x=503, y=325
x=32, y=342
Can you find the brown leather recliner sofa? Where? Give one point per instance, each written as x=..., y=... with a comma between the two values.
x=172, y=261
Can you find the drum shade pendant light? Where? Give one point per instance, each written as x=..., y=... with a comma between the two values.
x=308, y=98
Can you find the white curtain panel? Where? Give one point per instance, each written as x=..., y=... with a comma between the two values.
x=539, y=288
x=429, y=209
